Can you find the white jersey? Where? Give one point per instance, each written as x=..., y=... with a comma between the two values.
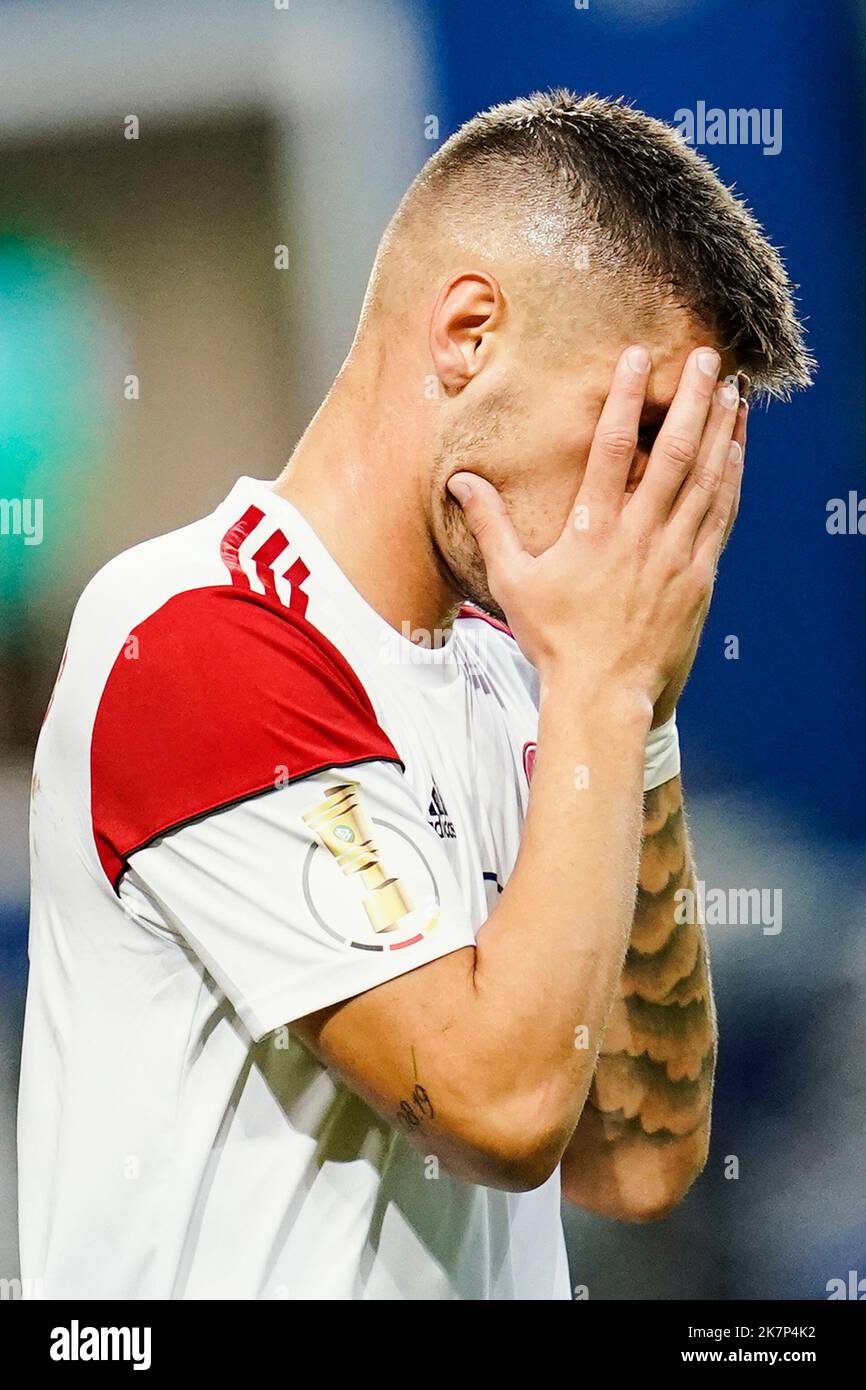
x=254, y=799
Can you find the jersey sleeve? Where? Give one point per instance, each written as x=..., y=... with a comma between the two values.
x=220, y=695
x=300, y=899
x=245, y=797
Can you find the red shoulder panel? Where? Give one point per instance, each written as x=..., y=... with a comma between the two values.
x=224, y=694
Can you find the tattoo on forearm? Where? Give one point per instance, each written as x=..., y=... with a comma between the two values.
x=416, y=1109
x=640, y=1089
x=655, y=1069
x=618, y=1129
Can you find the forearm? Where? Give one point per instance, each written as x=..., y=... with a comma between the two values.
x=643, y=1135
x=549, y=958
x=485, y=1056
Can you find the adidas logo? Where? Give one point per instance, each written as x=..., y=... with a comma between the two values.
x=438, y=816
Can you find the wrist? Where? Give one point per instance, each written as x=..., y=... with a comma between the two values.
x=591, y=698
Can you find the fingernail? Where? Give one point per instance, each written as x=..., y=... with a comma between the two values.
x=735, y=453
x=638, y=359
x=728, y=395
x=709, y=362
x=459, y=488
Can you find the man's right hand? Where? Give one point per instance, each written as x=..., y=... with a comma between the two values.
x=624, y=586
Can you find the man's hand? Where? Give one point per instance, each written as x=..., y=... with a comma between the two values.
x=622, y=594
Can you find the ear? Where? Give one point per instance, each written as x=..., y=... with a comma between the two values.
x=468, y=309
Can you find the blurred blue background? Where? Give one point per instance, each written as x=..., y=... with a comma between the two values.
x=153, y=258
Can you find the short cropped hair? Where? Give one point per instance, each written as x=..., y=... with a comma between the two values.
x=652, y=211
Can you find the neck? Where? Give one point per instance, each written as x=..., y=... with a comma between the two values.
x=357, y=476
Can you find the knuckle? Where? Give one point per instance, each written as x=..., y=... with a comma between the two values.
x=676, y=560
x=617, y=444
x=706, y=477
x=482, y=528
x=702, y=579
x=476, y=520
x=643, y=544
x=680, y=450
x=598, y=528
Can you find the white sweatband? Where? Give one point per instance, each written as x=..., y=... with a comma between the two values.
x=661, y=759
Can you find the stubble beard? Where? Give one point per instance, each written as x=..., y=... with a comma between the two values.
x=460, y=561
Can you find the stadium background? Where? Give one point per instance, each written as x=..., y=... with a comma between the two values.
x=154, y=258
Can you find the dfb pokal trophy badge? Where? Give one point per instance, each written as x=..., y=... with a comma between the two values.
x=341, y=824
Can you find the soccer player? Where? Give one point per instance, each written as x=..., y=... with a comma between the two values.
x=357, y=818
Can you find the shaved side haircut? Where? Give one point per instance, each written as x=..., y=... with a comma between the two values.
x=564, y=185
